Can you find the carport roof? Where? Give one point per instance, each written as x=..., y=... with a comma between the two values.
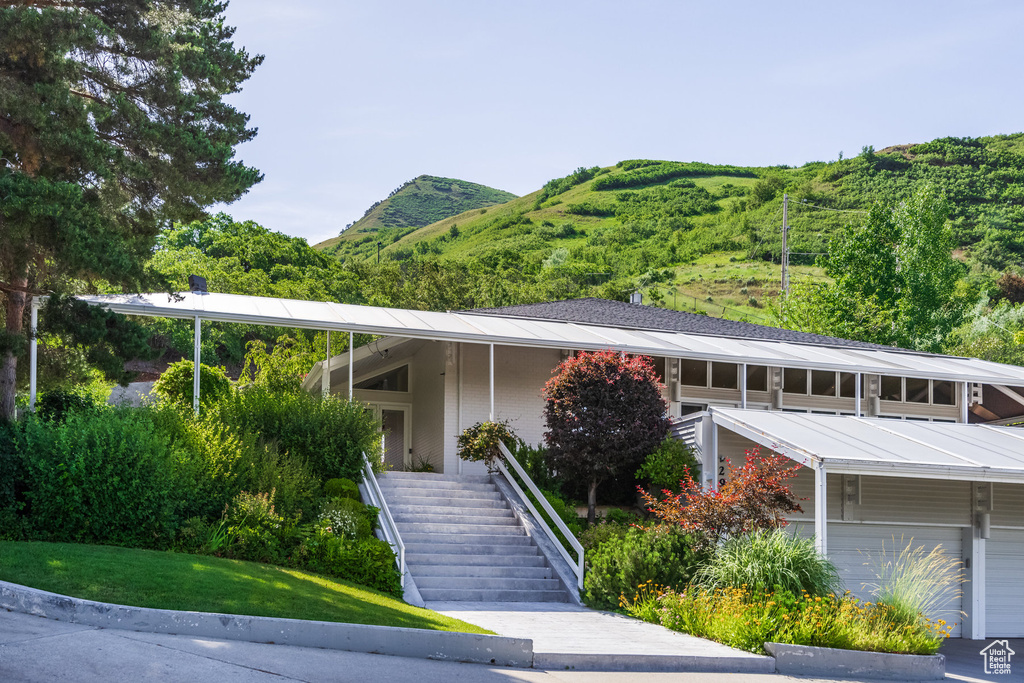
x=885, y=447
x=480, y=328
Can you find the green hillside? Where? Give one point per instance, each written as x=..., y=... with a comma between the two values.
x=705, y=236
x=419, y=202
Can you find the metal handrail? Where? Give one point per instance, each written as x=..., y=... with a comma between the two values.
x=388, y=525
x=576, y=564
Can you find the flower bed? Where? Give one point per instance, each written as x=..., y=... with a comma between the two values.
x=747, y=619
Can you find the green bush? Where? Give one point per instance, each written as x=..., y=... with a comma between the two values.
x=176, y=384
x=341, y=488
x=57, y=404
x=369, y=562
x=215, y=462
x=254, y=527
x=660, y=554
x=328, y=433
x=770, y=560
x=667, y=466
x=598, y=534
x=349, y=518
x=100, y=477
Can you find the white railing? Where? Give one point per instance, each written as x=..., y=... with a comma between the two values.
x=576, y=564
x=387, y=522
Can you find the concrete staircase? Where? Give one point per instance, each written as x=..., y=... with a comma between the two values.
x=464, y=543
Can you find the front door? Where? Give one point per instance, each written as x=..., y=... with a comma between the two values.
x=396, y=439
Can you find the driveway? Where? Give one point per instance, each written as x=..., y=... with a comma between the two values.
x=964, y=661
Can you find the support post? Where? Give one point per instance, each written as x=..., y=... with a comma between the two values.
x=820, y=508
x=492, y=381
x=325, y=374
x=195, y=366
x=743, y=386
x=713, y=461
x=856, y=396
x=33, y=351
x=785, y=244
x=965, y=399
x=351, y=363
x=974, y=587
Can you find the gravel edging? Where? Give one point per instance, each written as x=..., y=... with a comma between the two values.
x=384, y=640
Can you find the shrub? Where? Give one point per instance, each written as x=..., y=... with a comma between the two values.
x=662, y=554
x=597, y=534
x=176, y=384
x=479, y=443
x=215, y=462
x=754, y=496
x=328, y=433
x=668, y=466
x=770, y=560
x=349, y=518
x=57, y=404
x=100, y=477
x=254, y=527
x=369, y=562
x=341, y=488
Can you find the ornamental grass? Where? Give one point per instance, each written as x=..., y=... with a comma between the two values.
x=747, y=619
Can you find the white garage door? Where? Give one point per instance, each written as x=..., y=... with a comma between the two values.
x=1004, y=584
x=853, y=546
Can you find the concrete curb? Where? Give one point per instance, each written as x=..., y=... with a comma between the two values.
x=804, y=660
x=384, y=640
x=653, y=663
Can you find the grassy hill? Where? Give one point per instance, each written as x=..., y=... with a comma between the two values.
x=708, y=237
x=419, y=202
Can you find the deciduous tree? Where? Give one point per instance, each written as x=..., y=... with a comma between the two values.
x=604, y=415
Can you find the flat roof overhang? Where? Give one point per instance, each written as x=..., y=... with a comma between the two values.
x=503, y=330
x=883, y=447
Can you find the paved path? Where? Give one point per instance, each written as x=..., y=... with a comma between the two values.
x=560, y=627
x=33, y=649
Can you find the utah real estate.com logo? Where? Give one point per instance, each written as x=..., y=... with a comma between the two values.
x=997, y=657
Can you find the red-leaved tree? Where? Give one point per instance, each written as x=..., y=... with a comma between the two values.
x=604, y=414
x=754, y=496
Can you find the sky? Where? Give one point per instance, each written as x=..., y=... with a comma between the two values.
x=355, y=98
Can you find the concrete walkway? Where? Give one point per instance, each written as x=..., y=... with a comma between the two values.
x=568, y=636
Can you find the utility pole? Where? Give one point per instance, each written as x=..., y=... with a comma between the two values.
x=785, y=245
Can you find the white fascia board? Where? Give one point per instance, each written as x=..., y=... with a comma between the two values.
x=918, y=471
x=764, y=352
x=780, y=446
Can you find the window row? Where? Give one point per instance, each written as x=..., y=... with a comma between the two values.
x=826, y=383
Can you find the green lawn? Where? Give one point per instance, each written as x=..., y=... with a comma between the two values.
x=165, y=580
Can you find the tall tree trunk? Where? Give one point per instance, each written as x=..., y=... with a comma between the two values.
x=592, y=502
x=15, y=311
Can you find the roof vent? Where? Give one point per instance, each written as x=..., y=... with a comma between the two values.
x=636, y=298
x=196, y=283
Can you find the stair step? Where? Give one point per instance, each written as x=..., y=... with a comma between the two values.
x=497, y=527
x=399, y=493
x=474, y=503
x=459, y=538
x=431, y=547
x=484, y=595
x=486, y=583
x=466, y=560
x=442, y=511
x=418, y=476
x=415, y=484
x=502, y=572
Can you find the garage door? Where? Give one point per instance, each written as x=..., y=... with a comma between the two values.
x=1004, y=584
x=852, y=546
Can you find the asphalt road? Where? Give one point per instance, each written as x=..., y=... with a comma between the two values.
x=33, y=649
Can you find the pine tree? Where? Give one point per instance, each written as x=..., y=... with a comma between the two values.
x=112, y=125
